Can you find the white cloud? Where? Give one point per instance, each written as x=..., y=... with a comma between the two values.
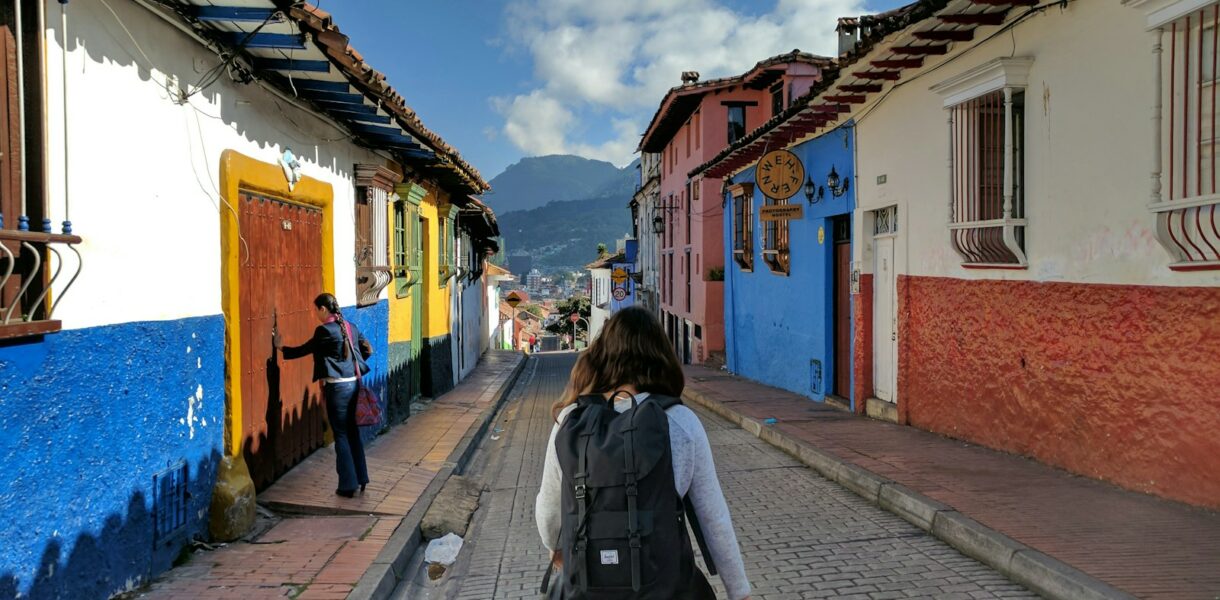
x=614, y=61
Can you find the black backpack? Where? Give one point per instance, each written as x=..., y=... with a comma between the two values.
x=623, y=532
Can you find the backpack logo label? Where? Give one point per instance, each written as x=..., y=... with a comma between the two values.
x=609, y=557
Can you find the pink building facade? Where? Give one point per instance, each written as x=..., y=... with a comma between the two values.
x=694, y=122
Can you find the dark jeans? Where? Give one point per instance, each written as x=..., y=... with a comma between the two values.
x=349, y=450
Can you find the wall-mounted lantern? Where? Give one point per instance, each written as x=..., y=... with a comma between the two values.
x=813, y=193
x=658, y=222
x=832, y=182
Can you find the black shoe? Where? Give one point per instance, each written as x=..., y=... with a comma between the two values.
x=346, y=493
x=362, y=487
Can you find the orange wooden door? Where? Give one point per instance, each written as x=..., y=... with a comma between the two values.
x=842, y=318
x=281, y=273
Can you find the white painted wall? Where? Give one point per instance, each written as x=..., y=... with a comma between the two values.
x=600, y=280
x=1089, y=147
x=145, y=170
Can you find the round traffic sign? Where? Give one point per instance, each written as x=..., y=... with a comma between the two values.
x=574, y=317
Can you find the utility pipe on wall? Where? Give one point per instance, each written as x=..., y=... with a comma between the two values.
x=63, y=21
x=23, y=219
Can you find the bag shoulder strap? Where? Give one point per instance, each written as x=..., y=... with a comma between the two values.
x=352, y=350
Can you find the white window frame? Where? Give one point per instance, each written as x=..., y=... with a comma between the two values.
x=1008, y=75
x=1186, y=215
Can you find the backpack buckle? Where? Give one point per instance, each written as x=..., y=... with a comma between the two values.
x=580, y=491
x=632, y=490
x=635, y=541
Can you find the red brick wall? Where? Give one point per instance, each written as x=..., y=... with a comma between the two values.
x=1115, y=382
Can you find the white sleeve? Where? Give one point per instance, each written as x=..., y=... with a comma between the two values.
x=711, y=508
x=547, y=511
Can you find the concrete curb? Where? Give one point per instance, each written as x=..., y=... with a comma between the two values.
x=379, y=581
x=1035, y=570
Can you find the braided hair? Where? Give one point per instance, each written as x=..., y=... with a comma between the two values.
x=331, y=304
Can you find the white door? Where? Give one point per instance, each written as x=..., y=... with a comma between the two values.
x=885, y=320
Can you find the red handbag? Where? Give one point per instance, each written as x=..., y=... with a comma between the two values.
x=368, y=408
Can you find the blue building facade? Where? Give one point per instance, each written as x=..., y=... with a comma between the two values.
x=781, y=328
x=109, y=442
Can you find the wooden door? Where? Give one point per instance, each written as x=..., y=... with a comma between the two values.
x=885, y=331
x=842, y=317
x=280, y=274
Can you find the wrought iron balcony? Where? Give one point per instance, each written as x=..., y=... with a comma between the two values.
x=27, y=274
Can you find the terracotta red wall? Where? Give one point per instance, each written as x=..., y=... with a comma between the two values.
x=862, y=343
x=1115, y=382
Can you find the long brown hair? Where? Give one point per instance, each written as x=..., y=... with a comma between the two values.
x=630, y=350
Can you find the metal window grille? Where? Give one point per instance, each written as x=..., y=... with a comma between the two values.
x=169, y=502
x=1188, y=225
x=775, y=242
x=987, y=133
x=885, y=221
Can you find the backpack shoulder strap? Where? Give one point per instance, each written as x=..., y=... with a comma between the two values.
x=665, y=402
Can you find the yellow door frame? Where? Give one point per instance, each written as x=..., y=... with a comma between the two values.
x=237, y=173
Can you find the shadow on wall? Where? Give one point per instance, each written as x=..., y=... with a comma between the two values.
x=437, y=367
x=171, y=60
x=285, y=439
x=402, y=386
x=127, y=551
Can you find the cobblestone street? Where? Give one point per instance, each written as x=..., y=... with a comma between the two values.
x=802, y=536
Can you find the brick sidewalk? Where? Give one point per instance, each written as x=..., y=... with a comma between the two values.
x=1150, y=547
x=323, y=556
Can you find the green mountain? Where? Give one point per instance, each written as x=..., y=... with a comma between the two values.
x=567, y=214
x=534, y=181
x=565, y=235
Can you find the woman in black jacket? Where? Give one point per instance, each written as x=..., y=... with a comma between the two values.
x=334, y=365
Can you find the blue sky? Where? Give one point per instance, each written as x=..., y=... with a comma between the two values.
x=504, y=79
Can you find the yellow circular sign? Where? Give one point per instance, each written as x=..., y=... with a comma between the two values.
x=619, y=275
x=780, y=174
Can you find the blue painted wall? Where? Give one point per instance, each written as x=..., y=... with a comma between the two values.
x=88, y=417
x=374, y=323
x=775, y=325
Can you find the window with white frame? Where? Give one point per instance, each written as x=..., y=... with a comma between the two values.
x=986, y=117
x=1185, y=196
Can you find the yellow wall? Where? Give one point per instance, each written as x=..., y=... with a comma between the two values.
x=436, y=297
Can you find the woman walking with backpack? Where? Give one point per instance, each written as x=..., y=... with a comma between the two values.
x=624, y=459
x=333, y=347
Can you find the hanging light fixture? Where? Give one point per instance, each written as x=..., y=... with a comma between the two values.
x=658, y=225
